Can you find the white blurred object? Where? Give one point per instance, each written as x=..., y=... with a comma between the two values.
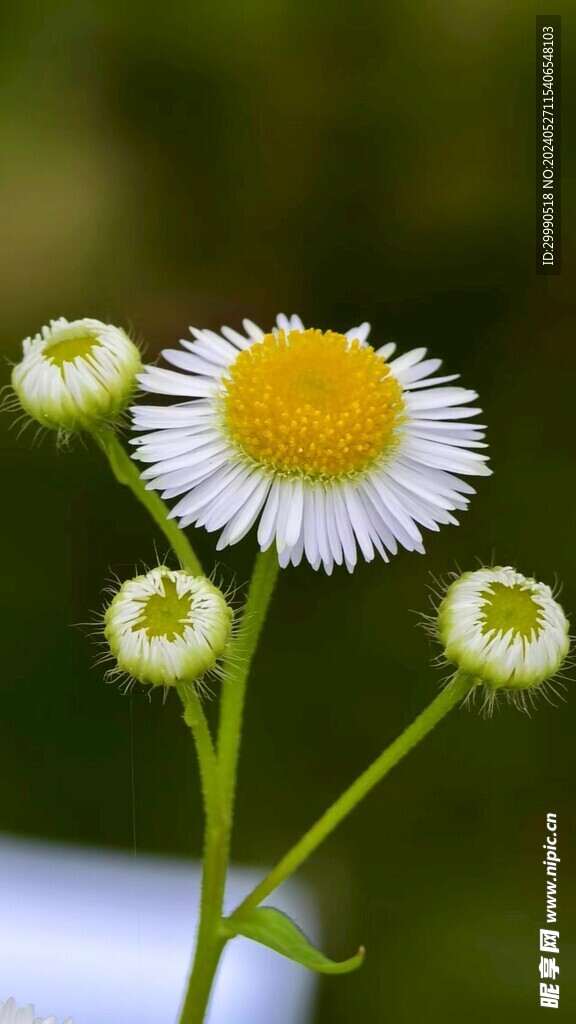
x=107, y=938
x=11, y=1014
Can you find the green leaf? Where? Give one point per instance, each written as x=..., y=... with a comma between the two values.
x=274, y=929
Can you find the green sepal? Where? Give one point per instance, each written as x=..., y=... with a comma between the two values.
x=274, y=929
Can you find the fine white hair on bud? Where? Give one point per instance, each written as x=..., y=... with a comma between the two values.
x=167, y=627
x=76, y=374
x=503, y=630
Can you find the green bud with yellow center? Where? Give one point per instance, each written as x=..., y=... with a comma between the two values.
x=167, y=627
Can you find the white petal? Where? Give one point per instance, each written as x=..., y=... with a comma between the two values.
x=237, y=339
x=284, y=558
x=255, y=332
x=359, y=521
x=441, y=437
x=445, y=456
x=191, y=363
x=442, y=398
x=425, y=487
x=245, y=518
x=290, y=509
x=402, y=363
x=216, y=514
x=294, y=522
x=470, y=430
x=211, y=346
x=381, y=528
x=332, y=532
x=417, y=371
x=168, y=382
x=441, y=477
x=322, y=528
x=185, y=413
x=386, y=350
x=209, y=490
x=432, y=382
x=311, y=546
x=398, y=522
x=444, y=412
x=344, y=527
x=169, y=434
x=419, y=509
x=180, y=453
x=358, y=333
x=179, y=480
x=267, y=525
x=297, y=550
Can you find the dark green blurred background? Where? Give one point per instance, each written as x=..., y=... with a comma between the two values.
x=196, y=163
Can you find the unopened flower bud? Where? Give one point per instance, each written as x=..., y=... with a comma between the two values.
x=75, y=375
x=167, y=627
x=503, y=629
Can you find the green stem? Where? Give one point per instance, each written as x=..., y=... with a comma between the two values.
x=196, y=720
x=126, y=472
x=209, y=948
x=211, y=939
x=390, y=757
x=237, y=668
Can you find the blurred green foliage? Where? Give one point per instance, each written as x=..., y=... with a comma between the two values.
x=176, y=164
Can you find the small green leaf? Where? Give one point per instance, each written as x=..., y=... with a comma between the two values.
x=274, y=929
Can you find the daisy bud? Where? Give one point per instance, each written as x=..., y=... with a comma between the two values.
x=74, y=375
x=167, y=627
x=503, y=630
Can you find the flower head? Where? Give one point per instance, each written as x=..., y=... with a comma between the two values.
x=502, y=629
x=76, y=374
x=331, y=445
x=167, y=627
x=9, y=1014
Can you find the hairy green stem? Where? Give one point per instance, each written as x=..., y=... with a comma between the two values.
x=390, y=757
x=237, y=668
x=126, y=472
x=209, y=941
x=211, y=938
x=196, y=720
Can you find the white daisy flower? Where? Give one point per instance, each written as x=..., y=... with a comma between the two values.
x=9, y=1014
x=76, y=374
x=167, y=627
x=332, y=445
x=503, y=629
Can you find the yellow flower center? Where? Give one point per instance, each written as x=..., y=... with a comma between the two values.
x=512, y=608
x=312, y=404
x=69, y=349
x=165, y=614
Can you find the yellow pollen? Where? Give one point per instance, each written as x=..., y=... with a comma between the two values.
x=312, y=403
